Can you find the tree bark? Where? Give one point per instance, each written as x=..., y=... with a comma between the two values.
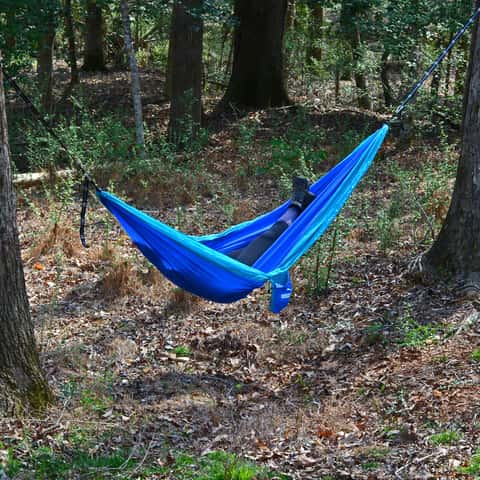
x=135, y=77
x=385, y=78
x=314, y=49
x=456, y=252
x=45, y=66
x=350, y=20
x=72, y=48
x=257, y=79
x=22, y=384
x=186, y=72
x=94, y=57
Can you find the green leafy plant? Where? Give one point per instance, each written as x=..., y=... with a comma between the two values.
x=475, y=355
x=447, y=437
x=473, y=468
x=182, y=351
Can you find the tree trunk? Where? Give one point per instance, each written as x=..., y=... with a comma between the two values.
x=72, y=48
x=314, y=49
x=257, y=79
x=94, y=57
x=456, y=251
x=448, y=71
x=168, y=75
x=461, y=68
x=360, y=78
x=45, y=66
x=349, y=21
x=186, y=72
x=135, y=77
x=22, y=384
x=384, y=76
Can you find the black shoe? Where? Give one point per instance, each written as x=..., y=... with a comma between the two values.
x=307, y=200
x=300, y=186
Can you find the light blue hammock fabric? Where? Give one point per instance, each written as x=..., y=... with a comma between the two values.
x=199, y=265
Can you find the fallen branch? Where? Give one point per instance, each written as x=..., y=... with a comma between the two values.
x=27, y=180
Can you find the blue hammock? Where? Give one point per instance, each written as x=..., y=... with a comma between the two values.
x=200, y=265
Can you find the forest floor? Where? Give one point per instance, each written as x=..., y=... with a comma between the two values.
x=378, y=376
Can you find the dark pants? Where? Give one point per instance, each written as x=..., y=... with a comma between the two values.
x=255, y=249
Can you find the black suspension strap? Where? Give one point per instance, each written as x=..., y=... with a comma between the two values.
x=88, y=179
x=85, y=190
x=413, y=92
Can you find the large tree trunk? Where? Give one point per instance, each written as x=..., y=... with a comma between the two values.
x=135, y=77
x=186, y=72
x=22, y=384
x=456, y=251
x=257, y=78
x=94, y=57
x=45, y=66
x=72, y=48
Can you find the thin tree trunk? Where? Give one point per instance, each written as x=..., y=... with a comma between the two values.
x=186, y=72
x=94, y=58
x=437, y=74
x=461, y=69
x=448, y=72
x=135, y=77
x=384, y=75
x=258, y=79
x=22, y=384
x=337, y=84
x=72, y=48
x=456, y=251
x=168, y=75
x=314, y=49
x=360, y=78
x=45, y=66
x=291, y=15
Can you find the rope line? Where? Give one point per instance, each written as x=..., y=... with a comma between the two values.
x=411, y=95
x=45, y=124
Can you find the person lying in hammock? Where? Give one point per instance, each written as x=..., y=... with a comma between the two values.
x=301, y=199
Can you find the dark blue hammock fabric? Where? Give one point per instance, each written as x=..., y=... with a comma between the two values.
x=199, y=264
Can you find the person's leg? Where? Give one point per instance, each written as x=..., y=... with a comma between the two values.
x=301, y=198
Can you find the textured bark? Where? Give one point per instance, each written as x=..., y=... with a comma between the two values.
x=385, y=78
x=360, y=79
x=257, y=79
x=22, y=384
x=314, y=50
x=186, y=72
x=135, y=77
x=45, y=66
x=350, y=18
x=94, y=57
x=456, y=251
x=72, y=48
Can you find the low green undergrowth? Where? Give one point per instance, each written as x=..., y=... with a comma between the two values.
x=78, y=461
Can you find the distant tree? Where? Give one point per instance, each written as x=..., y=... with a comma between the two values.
x=135, y=76
x=72, y=46
x=257, y=78
x=22, y=384
x=94, y=55
x=352, y=22
x=317, y=20
x=186, y=44
x=45, y=63
x=455, y=254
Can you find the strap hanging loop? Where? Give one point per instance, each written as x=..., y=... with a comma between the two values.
x=85, y=190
